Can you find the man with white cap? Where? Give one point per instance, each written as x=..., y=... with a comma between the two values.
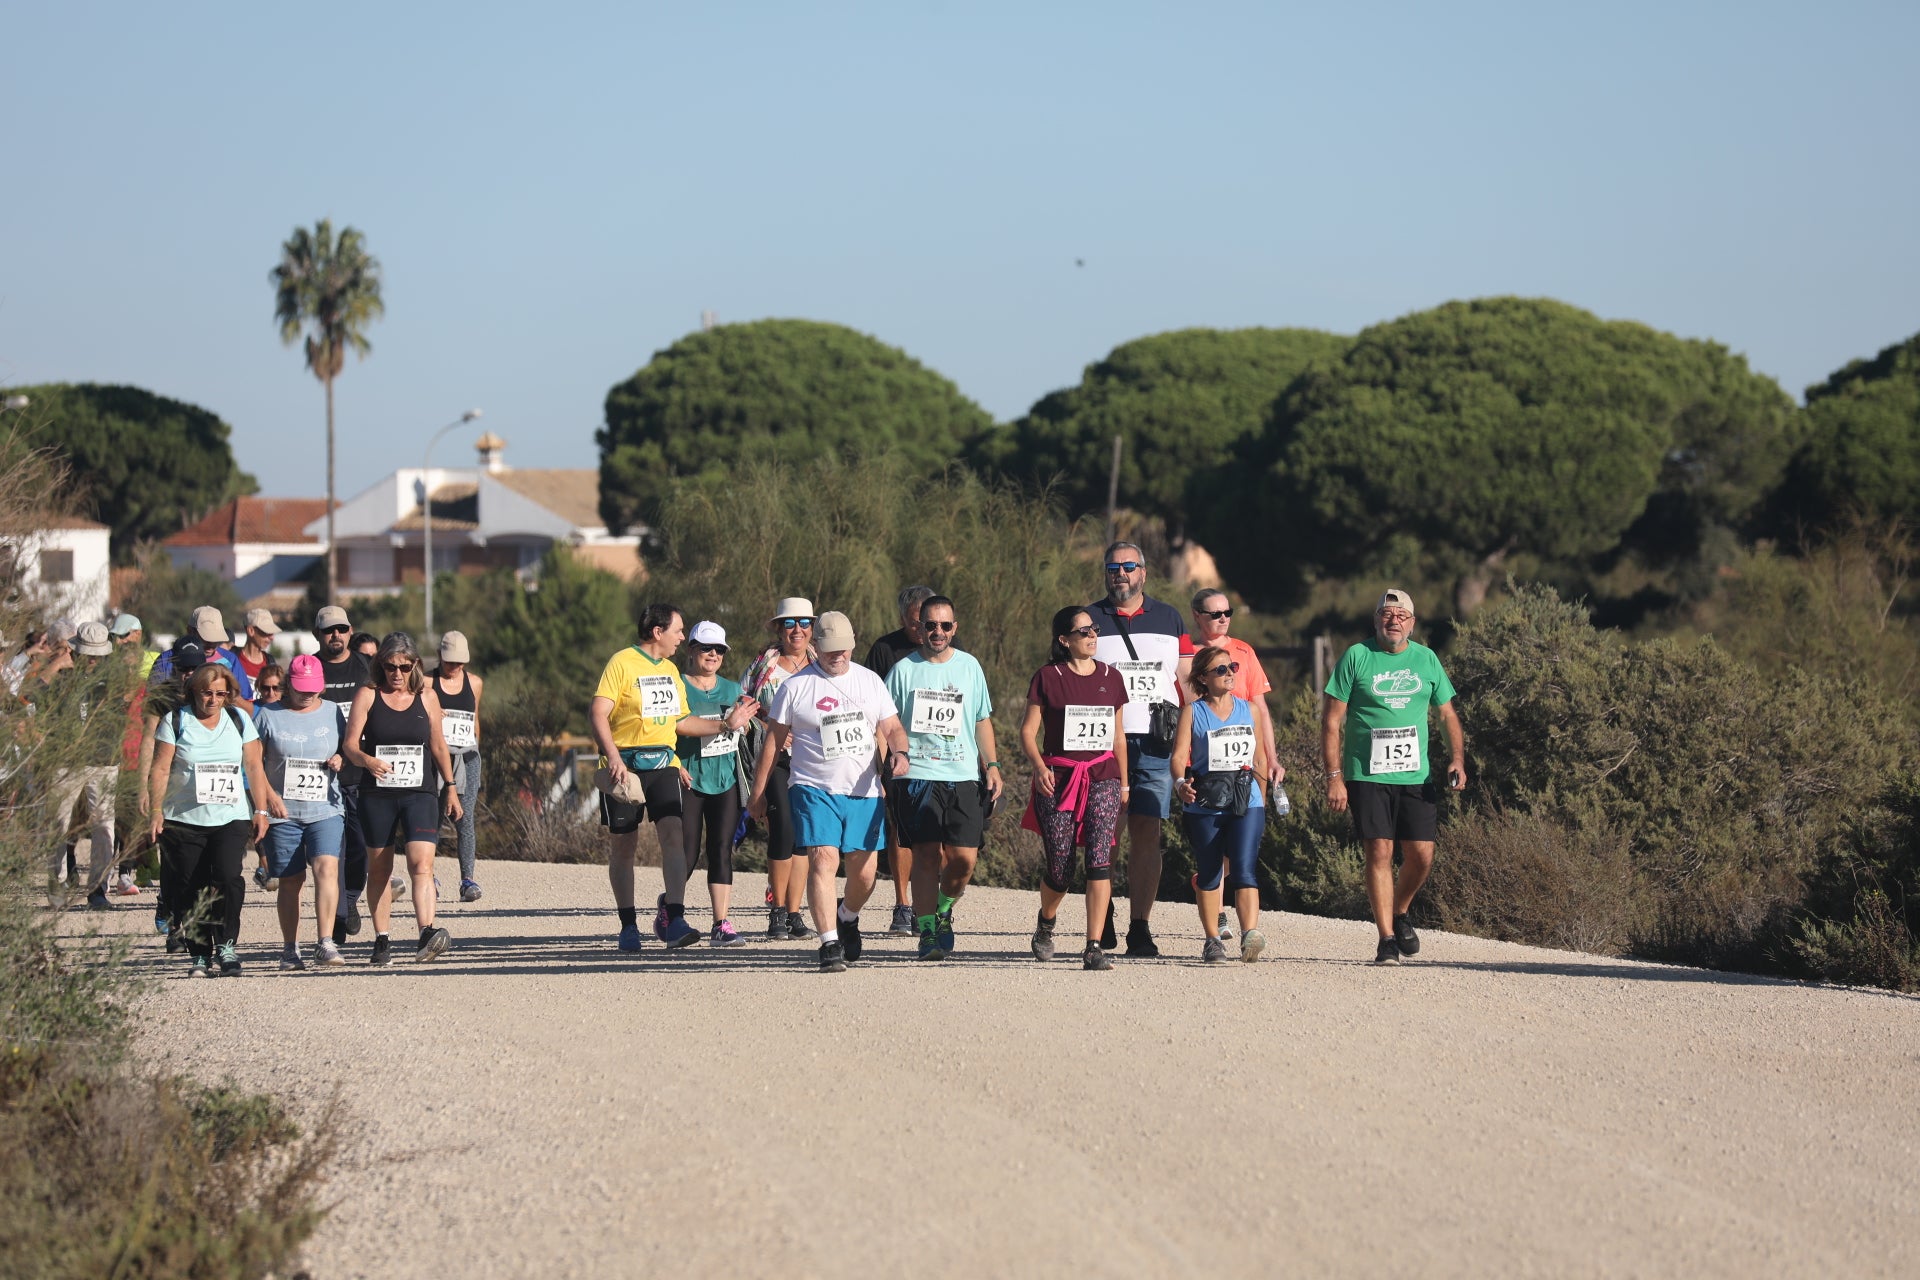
x=1373, y=739
x=254, y=654
x=459, y=692
x=832, y=713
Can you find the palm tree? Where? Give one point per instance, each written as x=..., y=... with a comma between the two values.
x=329, y=290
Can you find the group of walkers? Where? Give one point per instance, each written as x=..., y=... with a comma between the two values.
x=348, y=761
x=849, y=763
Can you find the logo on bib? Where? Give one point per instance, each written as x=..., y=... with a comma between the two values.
x=1396, y=688
x=827, y=703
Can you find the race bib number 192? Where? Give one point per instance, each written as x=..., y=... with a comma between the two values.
x=1230, y=747
x=1395, y=751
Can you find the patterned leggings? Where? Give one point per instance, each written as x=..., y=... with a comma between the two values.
x=1056, y=833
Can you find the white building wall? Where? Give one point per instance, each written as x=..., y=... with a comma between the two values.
x=84, y=597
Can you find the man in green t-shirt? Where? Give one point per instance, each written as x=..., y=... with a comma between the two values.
x=1374, y=742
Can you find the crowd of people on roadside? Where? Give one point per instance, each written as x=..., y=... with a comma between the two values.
x=348, y=760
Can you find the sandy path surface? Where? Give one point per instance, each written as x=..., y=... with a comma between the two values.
x=538, y=1105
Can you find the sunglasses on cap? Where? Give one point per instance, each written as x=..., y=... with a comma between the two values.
x=1215, y=614
x=1122, y=566
x=1224, y=669
x=790, y=623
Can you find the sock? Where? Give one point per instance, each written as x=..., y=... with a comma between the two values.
x=831, y=935
x=1046, y=922
x=928, y=923
x=845, y=916
x=946, y=904
x=629, y=918
x=425, y=929
x=382, y=937
x=676, y=910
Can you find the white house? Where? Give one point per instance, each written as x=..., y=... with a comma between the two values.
x=261, y=545
x=62, y=568
x=490, y=516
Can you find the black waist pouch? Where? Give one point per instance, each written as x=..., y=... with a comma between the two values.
x=1230, y=791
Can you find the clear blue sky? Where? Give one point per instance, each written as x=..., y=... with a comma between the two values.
x=557, y=194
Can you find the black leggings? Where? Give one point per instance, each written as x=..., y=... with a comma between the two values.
x=779, y=813
x=197, y=860
x=720, y=815
x=353, y=850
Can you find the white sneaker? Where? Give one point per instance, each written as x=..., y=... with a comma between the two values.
x=328, y=954
x=290, y=958
x=399, y=886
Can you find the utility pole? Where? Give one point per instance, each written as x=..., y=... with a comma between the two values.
x=1113, y=493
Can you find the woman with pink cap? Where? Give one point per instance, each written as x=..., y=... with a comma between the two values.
x=301, y=737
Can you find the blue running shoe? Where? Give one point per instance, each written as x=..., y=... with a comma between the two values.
x=680, y=934
x=930, y=940
x=630, y=938
x=943, y=933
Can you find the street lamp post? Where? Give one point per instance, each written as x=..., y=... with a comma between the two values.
x=426, y=508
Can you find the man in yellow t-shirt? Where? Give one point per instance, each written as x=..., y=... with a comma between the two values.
x=638, y=709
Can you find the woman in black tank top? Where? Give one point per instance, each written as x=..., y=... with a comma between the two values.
x=394, y=734
x=460, y=724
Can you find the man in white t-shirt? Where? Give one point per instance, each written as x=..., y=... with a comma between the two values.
x=833, y=714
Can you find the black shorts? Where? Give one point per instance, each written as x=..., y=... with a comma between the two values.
x=952, y=813
x=662, y=790
x=1394, y=810
x=391, y=817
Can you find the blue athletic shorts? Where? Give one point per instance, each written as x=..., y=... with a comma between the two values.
x=851, y=824
x=1149, y=779
x=291, y=846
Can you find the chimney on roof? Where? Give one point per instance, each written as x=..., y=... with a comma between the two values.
x=492, y=451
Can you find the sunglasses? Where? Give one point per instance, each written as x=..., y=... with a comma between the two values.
x=335, y=631
x=211, y=694
x=710, y=648
x=1122, y=566
x=1224, y=669
x=790, y=623
x=398, y=668
x=1396, y=617
x=1215, y=614
x=269, y=688
x=1086, y=633
x=937, y=626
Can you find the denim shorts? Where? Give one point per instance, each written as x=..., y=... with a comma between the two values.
x=1149, y=780
x=821, y=819
x=291, y=846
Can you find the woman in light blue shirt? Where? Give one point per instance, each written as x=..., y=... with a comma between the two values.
x=206, y=761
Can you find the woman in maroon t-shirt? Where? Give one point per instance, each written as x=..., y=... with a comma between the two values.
x=1079, y=781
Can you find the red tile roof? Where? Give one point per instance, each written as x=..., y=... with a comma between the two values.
x=253, y=520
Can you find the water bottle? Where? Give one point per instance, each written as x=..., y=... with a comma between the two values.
x=1281, y=805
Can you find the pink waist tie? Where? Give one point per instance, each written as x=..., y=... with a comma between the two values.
x=1072, y=799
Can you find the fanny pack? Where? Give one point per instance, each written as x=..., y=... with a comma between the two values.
x=639, y=758
x=1163, y=718
x=1229, y=791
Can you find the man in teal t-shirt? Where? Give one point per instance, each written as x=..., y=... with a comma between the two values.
x=947, y=792
x=1374, y=744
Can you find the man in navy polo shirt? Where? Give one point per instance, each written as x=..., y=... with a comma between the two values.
x=1146, y=640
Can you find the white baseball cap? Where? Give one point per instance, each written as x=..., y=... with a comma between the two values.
x=261, y=620
x=708, y=633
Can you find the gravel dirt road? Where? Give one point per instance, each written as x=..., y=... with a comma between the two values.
x=539, y=1105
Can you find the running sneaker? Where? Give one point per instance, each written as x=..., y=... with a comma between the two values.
x=1108, y=939
x=1043, y=938
x=339, y=931
x=797, y=926
x=943, y=932
x=382, y=950
x=290, y=958
x=174, y=940
x=660, y=917
x=399, y=886
x=160, y=924
x=723, y=935
x=97, y=901
x=850, y=941
x=1094, y=958
x=470, y=891
x=433, y=946
x=777, y=930
x=832, y=958
x=260, y=876
x=1404, y=937
x=438, y=892
x=1215, y=952
x=1388, y=952
x=769, y=893
x=629, y=938
x=353, y=918
x=679, y=934
x=229, y=961
x=202, y=967
x=124, y=887
x=930, y=939
x=902, y=926
x=1252, y=943
x=1140, y=943
x=327, y=954
x=1225, y=930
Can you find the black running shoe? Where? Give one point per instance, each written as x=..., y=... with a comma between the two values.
x=1108, y=939
x=850, y=941
x=832, y=958
x=1404, y=937
x=777, y=924
x=1388, y=952
x=382, y=951
x=353, y=918
x=175, y=939
x=434, y=945
x=1095, y=958
x=1140, y=943
x=1042, y=938
x=797, y=926
x=339, y=932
